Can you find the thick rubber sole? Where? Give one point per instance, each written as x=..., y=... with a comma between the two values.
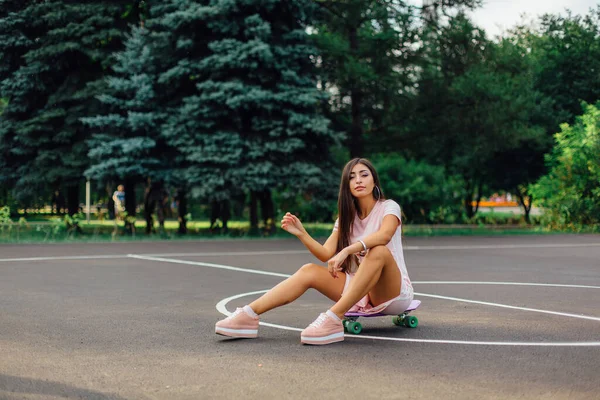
x=335, y=337
x=237, y=333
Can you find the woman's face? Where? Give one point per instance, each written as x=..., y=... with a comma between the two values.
x=361, y=181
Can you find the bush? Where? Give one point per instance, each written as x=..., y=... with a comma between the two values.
x=425, y=192
x=307, y=206
x=570, y=192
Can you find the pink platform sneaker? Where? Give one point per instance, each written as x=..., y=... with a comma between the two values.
x=324, y=330
x=239, y=325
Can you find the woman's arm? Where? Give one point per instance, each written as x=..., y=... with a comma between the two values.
x=380, y=238
x=322, y=252
x=292, y=224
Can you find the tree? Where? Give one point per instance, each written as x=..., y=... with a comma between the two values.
x=252, y=121
x=570, y=192
x=127, y=143
x=563, y=54
x=566, y=49
x=476, y=105
x=15, y=41
x=371, y=52
x=68, y=49
x=426, y=193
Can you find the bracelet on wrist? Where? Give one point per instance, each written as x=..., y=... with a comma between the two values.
x=363, y=252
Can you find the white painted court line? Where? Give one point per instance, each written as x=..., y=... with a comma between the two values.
x=222, y=308
x=116, y=256
x=485, y=303
x=231, y=253
x=209, y=265
x=91, y=257
x=406, y=248
x=505, y=283
x=504, y=246
x=291, y=252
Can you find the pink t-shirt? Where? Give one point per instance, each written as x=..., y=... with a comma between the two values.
x=371, y=224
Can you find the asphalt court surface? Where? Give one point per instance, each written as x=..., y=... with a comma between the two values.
x=501, y=317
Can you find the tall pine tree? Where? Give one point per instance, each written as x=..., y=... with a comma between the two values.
x=17, y=37
x=69, y=46
x=126, y=144
x=251, y=122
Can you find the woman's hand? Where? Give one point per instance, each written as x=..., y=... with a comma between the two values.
x=334, y=264
x=290, y=223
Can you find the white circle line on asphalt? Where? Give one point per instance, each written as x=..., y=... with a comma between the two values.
x=222, y=308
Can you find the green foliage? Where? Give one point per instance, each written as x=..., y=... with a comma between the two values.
x=9, y=228
x=220, y=97
x=476, y=104
x=425, y=192
x=127, y=139
x=313, y=207
x=570, y=192
x=5, y=216
x=366, y=50
x=566, y=50
x=62, y=50
x=251, y=121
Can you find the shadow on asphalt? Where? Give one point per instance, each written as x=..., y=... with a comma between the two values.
x=16, y=384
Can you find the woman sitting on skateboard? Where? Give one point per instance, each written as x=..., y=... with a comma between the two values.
x=365, y=263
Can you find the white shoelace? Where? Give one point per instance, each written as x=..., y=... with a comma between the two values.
x=319, y=321
x=236, y=313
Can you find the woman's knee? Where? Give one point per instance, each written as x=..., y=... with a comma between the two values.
x=309, y=271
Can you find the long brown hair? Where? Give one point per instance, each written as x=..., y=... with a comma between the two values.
x=348, y=207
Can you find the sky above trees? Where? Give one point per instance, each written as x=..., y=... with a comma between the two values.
x=498, y=15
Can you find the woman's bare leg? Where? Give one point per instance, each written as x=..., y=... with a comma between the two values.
x=308, y=276
x=377, y=275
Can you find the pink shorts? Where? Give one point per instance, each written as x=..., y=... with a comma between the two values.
x=395, y=306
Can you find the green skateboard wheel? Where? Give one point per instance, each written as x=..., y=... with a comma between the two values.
x=398, y=320
x=411, y=322
x=354, y=327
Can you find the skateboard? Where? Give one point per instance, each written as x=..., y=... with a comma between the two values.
x=409, y=321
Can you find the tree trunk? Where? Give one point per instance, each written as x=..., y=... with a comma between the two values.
x=267, y=211
x=182, y=211
x=225, y=214
x=527, y=211
x=110, y=203
x=479, y=195
x=468, y=199
x=523, y=197
x=253, y=212
x=356, y=96
x=73, y=199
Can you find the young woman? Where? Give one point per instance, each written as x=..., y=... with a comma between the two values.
x=365, y=263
